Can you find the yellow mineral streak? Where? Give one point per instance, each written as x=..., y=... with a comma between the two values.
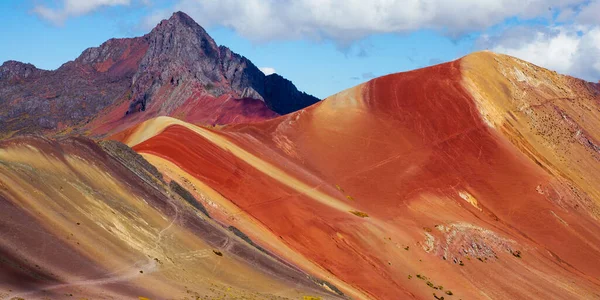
x=261, y=234
x=159, y=124
x=547, y=116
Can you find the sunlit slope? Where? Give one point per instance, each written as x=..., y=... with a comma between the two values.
x=553, y=119
x=411, y=184
x=87, y=222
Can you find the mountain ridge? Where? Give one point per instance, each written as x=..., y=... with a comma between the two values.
x=475, y=176
x=468, y=178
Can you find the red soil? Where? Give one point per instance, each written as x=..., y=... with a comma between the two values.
x=199, y=108
x=224, y=110
x=405, y=155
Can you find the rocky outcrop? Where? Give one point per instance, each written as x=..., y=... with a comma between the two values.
x=280, y=94
x=118, y=57
x=34, y=100
x=14, y=70
x=283, y=97
x=243, y=76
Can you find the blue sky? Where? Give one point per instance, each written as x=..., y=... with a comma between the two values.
x=323, y=46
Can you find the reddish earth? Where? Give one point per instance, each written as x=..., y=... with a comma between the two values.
x=407, y=177
x=473, y=179
x=199, y=108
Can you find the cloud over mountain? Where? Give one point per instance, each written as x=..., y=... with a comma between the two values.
x=345, y=21
x=74, y=8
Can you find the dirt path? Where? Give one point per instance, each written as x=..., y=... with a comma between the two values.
x=122, y=275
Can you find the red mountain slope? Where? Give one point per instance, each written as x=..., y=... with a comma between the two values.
x=449, y=181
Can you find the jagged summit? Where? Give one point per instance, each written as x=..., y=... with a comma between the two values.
x=184, y=19
x=177, y=69
x=182, y=25
x=12, y=69
x=181, y=51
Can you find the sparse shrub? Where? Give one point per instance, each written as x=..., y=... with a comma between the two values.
x=187, y=196
x=246, y=238
x=360, y=214
x=436, y=297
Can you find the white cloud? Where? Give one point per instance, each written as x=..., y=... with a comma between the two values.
x=569, y=49
x=348, y=20
x=73, y=8
x=268, y=70
x=589, y=13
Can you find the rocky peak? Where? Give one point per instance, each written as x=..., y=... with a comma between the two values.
x=111, y=51
x=283, y=97
x=180, y=18
x=11, y=70
x=179, y=50
x=180, y=36
x=177, y=70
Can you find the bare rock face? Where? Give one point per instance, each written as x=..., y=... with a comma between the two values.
x=34, y=100
x=166, y=67
x=14, y=70
x=283, y=96
x=243, y=76
x=179, y=50
x=118, y=57
x=280, y=94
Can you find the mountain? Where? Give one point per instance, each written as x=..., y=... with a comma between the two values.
x=472, y=179
x=175, y=70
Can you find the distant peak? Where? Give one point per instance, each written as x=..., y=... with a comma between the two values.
x=180, y=19
x=181, y=22
x=179, y=15
x=14, y=63
x=12, y=69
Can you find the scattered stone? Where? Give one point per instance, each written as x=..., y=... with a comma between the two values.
x=359, y=214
